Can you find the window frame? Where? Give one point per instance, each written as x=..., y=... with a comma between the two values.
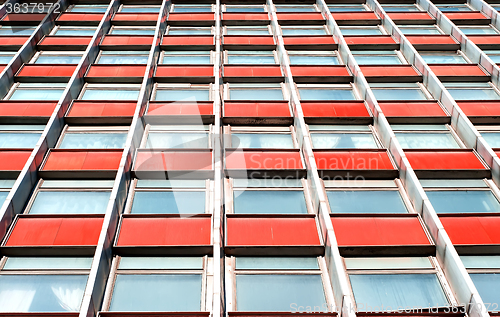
x=101, y=53
x=246, y=27
x=210, y=53
x=169, y=27
x=120, y=9
x=397, y=54
x=314, y=6
x=298, y=27
x=490, y=84
x=43, y=86
x=72, y=6
x=332, y=53
x=20, y=131
x=224, y=7
x=229, y=130
x=329, y=87
x=89, y=129
x=226, y=53
x=147, y=130
x=402, y=27
x=420, y=87
x=249, y=86
x=56, y=28
x=449, y=130
x=38, y=54
x=130, y=27
x=371, y=132
x=444, y=53
x=212, y=7
x=161, y=86
x=379, y=27
x=97, y=86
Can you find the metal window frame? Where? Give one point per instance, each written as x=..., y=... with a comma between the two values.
x=167, y=30
x=201, y=5
x=450, y=131
x=161, y=86
x=68, y=27
x=95, y=86
x=264, y=6
x=379, y=27
x=88, y=130
x=227, y=53
x=100, y=54
x=15, y=87
x=350, y=86
x=313, y=54
x=246, y=27
x=120, y=8
x=38, y=54
x=143, y=144
x=324, y=27
x=164, y=53
x=397, y=53
x=372, y=132
x=72, y=6
x=250, y=86
x=130, y=27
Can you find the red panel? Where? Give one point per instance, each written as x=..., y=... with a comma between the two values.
x=353, y=160
x=13, y=160
x=184, y=71
x=300, y=16
x=247, y=40
x=389, y=71
x=465, y=16
x=458, y=70
x=178, y=108
x=27, y=109
x=388, y=231
x=104, y=71
x=2, y=67
x=66, y=40
x=444, y=160
x=271, y=231
x=22, y=17
x=431, y=39
x=187, y=40
x=264, y=160
x=334, y=109
x=56, y=231
x=467, y=230
x=482, y=108
x=348, y=16
x=252, y=71
x=70, y=17
x=484, y=39
x=245, y=16
x=336, y=70
x=101, y=109
x=256, y=109
x=309, y=40
x=135, y=16
x=173, y=161
x=374, y=39
x=191, y=17
x=127, y=40
x=410, y=16
x=42, y=70
x=67, y=160
x=13, y=40
x=157, y=231
x=412, y=109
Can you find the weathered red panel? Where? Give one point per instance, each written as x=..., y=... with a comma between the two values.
x=78, y=231
x=187, y=40
x=191, y=16
x=386, y=231
x=105, y=71
x=256, y=109
x=82, y=108
x=264, y=160
x=309, y=40
x=463, y=70
x=320, y=71
x=24, y=17
x=65, y=40
x=112, y=40
x=271, y=231
x=389, y=71
x=353, y=160
x=469, y=230
x=13, y=160
x=70, y=17
x=444, y=160
x=349, y=16
x=13, y=40
x=374, y=39
x=184, y=71
x=487, y=39
x=487, y=108
x=436, y=39
x=173, y=161
x=245, y=16
x=471, y=15
x=334, y=109
x=68, y=160
x=397, y=17
x=179, y=108
x=247, y=40
x=286, y=16
x=27, y=109
x=43, y=70
x=252, y=71
x=135, y=17
x=164, y=231
x=412, y=109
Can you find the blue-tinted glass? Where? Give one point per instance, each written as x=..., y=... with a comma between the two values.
x=261, y=140
x=37, y=94
x=269, y=202
x=158, y=140
x=346, y=8
x=278, y=292
x=343, y=141
x=117, y=31
x=399, y=94
x=326, y=94
x=186, y=59
x=297, y=8
x=5, y=58
x=400, y=8
x=488, y=286
x=250, y=59
x=443, y=59
x=494, y=58
x=41, y=293
x=77, y=32
x=184, y=94
x=361, y=31
x=58, y=59
x=427, y=141
x=256, y=94
x=66, y=202
x=89, y=8
x=17, y=30
x=247, y=31
x=398, y=291
x=303, y=31
x=110, y=94
x=313, y=60
x=420, y=30
x=19, y=140
x=377, y=59
x=473, y=94
x=140, y=9
x=181, y=8
x=249, y=8
x=168, y=202
x=3, y=196
x=366, y=201
x=463, y=201
x=123, y=59
x=198, y=31
x=493, y=139
x=156, y=292
x=276, y=263
x=478, y=30
x=93, y=141
x=453, y=7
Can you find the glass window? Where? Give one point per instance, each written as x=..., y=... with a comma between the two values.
x=443, y=58
x=168, y=137
x=360, y=30
x=121, y=30
x=39, y=263
x=192, y=8
x=189, y=31
x=313, y=58
x=140, y=9
x=88, y=8
x=261, y=140
x=269, y=202
x=400, y=7
x=123, y=57
x=295, y=8
x=246, y=8
x=346, y=7
x=57, y=58
x=488, y=286
x=492, y=138
x=37, y=91
x=194, y=93
x=453, y=7
x=16, y=30
x=93, y=140
x=247, y=30
x=70, y=202
x=493, y=54
x=339, y=137
x=161, y=263
x=377, y=57
x=5, y=57
x=303, y=30
x=366, y=201
x=76, y=31
x=185, y=57
x=255, y=92
x=388, y=263
x=472, y=91
x=250, y=57
x=425, y=137
x=419, y=29
x=463, y=201
x=395, y=91
x=340, y=93
x=168, y=202
x=20, y=136
x=478, y=30
x=111, y=92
